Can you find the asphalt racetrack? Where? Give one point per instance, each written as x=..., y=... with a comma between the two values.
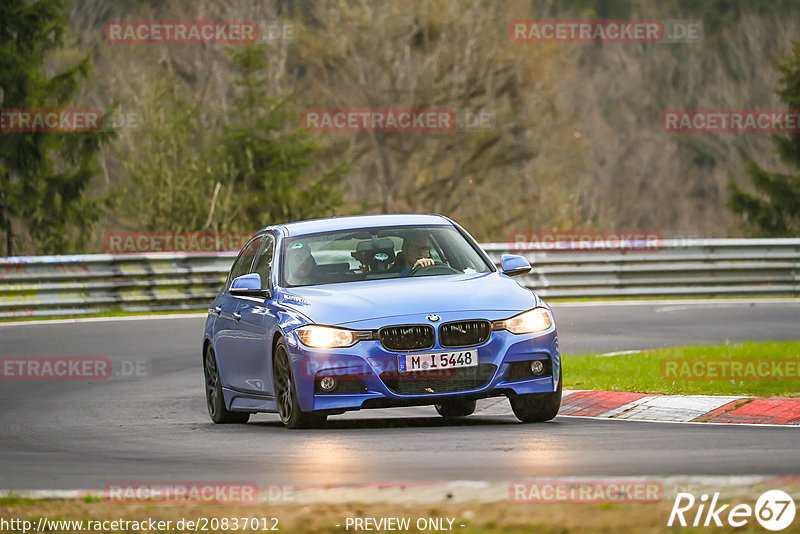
x=83, y=435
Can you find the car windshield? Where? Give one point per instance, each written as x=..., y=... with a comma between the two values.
x=377, y=253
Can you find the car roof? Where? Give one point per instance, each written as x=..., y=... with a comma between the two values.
x=360, y=221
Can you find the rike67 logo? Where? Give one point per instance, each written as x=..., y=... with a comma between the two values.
x=774, y=510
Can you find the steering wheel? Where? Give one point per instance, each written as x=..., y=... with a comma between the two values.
x=437, y=268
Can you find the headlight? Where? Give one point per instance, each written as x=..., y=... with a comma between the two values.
x=325, y=337
x=535, y=320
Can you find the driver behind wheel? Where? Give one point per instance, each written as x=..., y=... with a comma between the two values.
x=416, y=252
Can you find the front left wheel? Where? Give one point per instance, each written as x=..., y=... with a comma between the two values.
x=214, y=399
x=286, y=393
x=456, y=408
x=537, y=407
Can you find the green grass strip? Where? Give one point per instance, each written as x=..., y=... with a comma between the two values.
x=686, y=370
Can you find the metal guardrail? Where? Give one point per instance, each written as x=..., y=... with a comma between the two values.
x=91, y=283
x=678, y=268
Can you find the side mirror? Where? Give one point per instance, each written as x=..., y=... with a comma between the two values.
x=248, y=285
x=513, y=265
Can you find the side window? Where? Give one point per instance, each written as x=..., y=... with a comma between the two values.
x=263, y=265
x=243, y=262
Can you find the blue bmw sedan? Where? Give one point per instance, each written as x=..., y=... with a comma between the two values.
x=321, y=317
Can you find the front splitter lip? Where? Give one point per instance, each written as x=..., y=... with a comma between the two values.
x=243, y=401
x=495, y=388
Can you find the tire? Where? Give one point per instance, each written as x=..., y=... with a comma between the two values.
x=215, y=402
x=456, y=408
x=537, y=407
x=286, y=393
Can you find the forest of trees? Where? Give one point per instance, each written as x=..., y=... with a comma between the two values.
x=208, y=137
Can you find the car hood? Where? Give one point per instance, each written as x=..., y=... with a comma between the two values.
x=338, y=304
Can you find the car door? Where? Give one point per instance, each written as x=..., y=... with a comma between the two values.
x=226, y=326
x=257, y=323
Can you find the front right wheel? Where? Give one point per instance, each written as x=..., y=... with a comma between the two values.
x=537, y=407
x=286, y=393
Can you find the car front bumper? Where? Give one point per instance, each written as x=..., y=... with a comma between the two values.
x=367, y=376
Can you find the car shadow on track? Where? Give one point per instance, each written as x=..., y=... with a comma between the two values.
x=401, y=422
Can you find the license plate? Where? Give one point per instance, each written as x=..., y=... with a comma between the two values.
x=439, y=360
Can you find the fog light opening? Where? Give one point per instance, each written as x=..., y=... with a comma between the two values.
x=537, y=367
x=327, y=383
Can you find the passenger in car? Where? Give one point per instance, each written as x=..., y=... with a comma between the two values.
x=300, y=266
